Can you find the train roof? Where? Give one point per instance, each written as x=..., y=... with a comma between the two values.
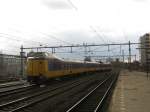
x=47, y=55
x=44, y=55
x=41, y=55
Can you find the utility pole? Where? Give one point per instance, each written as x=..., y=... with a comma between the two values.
x=123, y=55
x=21, y=56
x=37, y=50
x=85, y=48
x=70, y=49
x=129, y=52
x=129, y=55
x=53, y=50
x=108, y=48
x=135, y=57
x=147, y=64
x=120, y=53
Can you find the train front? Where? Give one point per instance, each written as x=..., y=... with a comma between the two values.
x=36, y=67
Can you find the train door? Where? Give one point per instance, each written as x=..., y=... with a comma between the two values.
x=41, y=67
x=30, y=67
x=34, y=66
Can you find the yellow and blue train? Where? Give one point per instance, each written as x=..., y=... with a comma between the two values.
x=43, y=65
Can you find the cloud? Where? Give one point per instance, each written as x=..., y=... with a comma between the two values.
x=57, y=4
x=140, y=0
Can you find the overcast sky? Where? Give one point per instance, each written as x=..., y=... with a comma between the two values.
x=59, y=22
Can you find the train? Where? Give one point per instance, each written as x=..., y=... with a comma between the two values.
x=42, y=66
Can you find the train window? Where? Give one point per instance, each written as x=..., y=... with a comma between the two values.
x=57, y=65
x=67, y=66
x=78, y=65
x=50, y=65
x=62, y=65
x=75, y=65
x=54, y=65
x=70, y=66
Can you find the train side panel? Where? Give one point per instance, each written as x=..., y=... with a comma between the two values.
x=36, y=67
x=60, y=68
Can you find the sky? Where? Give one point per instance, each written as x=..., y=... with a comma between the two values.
x=61, y=22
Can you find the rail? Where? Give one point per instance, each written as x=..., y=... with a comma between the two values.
x=11, y=84
x=90, y=103
x=35, y=98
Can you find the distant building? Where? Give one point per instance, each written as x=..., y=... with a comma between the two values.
x=10, y=65
x=109, y=60
x=144, y=49
x=87, y=58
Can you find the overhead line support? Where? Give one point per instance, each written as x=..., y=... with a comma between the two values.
x=87, y=45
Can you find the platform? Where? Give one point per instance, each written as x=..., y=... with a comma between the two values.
x=132, y=93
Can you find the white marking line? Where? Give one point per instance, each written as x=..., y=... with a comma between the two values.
x=122, y=103
x=122, y=94
x=122, y=109
x=122, y=98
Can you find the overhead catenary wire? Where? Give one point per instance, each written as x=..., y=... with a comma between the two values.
x=16, y=39
x=55, y=38
x=84, y=51
x=9, y=50
x=91, y=27
x=105, y=36
x=8, y=36
x=48, y=36
x=98, y=35
x=41, y=43
x=72, y=4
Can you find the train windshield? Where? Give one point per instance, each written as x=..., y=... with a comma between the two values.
x=37, y=54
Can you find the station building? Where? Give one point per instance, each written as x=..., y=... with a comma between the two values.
x=145, y=50
x=10, y=65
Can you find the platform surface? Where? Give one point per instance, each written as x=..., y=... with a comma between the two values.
x=132, y=93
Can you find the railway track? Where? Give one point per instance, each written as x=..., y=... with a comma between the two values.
x=7, y=80
x=94, y=100
x=28, y=101
x=11, y=89
x=11, y=84
x=9, y=94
